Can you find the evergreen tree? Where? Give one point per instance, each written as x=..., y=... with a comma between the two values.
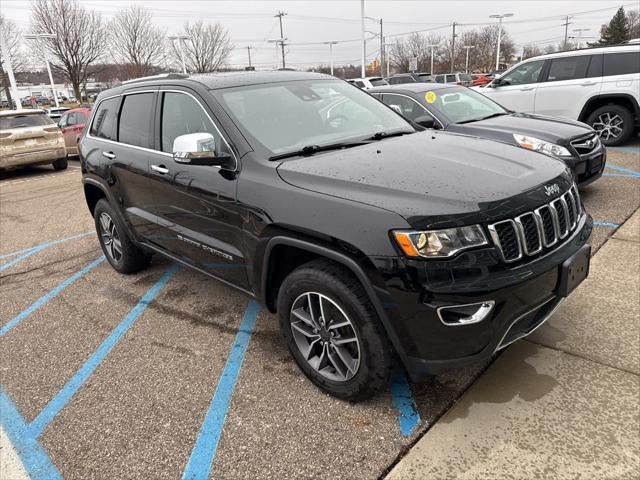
x=616, y=32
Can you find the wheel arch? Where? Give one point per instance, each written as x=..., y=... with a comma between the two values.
x=622, y=99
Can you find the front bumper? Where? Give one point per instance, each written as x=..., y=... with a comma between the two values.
x=32, y=158
x=525, y=295
x=588, y=168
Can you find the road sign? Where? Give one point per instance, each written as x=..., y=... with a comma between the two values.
x=413, y=64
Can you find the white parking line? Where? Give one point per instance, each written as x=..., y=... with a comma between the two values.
x=40, y=177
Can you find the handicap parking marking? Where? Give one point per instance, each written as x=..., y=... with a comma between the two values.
x=635, y=150
x=403, y=401
x=626, y=172
x=599, y=223
x=206, y=445
x=60, y=400
x=33, y=457
x=27, y=252
x=15, y=321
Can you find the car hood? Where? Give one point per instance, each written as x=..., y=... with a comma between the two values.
x=433, y=178
x=551, y=129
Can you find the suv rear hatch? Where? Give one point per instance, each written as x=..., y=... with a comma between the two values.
x=27, y=132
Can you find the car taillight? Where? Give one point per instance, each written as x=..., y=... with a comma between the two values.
x=51, y=129
x=5, y=135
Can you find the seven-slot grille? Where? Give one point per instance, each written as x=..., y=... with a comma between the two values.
x=530, y=233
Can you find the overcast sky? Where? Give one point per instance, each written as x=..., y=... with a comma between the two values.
x=252, y=23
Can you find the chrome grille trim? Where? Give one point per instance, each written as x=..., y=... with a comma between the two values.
x=567, y=205
x=582, y=144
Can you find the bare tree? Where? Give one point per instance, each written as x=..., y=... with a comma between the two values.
x=485, y=43
x=80, y=37
x=12, y=35
x=415, y=46
x=137, y=42
x=207, y=50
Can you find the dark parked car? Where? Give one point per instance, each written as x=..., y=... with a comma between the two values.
x=367, y=237
x=461, y=110
x=400, y=78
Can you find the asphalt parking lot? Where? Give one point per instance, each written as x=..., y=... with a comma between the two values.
x=169, y=374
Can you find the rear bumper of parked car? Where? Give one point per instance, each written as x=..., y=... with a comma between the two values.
x=522, y=297
x=13, y=160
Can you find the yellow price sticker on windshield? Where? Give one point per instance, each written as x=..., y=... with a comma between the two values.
x=430, y=96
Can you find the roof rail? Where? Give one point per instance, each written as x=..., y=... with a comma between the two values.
x=156, y=77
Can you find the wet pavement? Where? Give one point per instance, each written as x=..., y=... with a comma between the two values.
x=146, y=376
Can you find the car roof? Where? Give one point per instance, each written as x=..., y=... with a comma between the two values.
x=216, y=80
x=586, y=51
x=22, y=111
x=415, y=87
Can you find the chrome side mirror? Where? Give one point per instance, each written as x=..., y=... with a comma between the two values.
x=199, y=149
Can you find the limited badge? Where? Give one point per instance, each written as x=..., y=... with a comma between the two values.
x=430, y=96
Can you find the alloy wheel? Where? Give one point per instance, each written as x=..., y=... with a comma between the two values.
x=325, y=336
x=609, y=127
x=110, y=237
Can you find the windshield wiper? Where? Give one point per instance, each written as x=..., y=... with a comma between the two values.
x=497, y=114
x=311, y=149
x=381, y=135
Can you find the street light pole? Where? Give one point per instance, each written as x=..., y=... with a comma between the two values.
x=466, y=65
x=431, y=47
x=331, y=44
x=180, y=38
x=12, y=79
x=363, y=53
x=249, y=53
x=499, y=17
x=580, y=30
x=36, y=36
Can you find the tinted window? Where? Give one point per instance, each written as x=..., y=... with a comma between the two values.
x=181, y=115
x=74, y=118
x=568, y=68
x=621, y=63
x=359, y=84
x=440, y=78
x=405, y=106
x=523, y=74
x=28, y=120
x=134, y=127
x=595, y=66
x=104, y=122
x=376, y=82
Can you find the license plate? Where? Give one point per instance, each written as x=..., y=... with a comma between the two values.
x=30, y=142
x=574, y=270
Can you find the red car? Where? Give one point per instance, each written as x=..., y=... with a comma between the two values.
x=72, y=124
x=480, y=79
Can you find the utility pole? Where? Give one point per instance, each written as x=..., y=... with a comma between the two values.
x=249, y=53
x=466, y=65
x=382, y=59
x=331, y=44
x=363, y=54
x=453, y=47
x=280, y=15
x=431, y=47
x=386, y=56
x=566, y=30
x=12, y=80
x=499, y=17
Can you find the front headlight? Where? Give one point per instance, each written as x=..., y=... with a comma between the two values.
x=537, y=145
x=439, y=243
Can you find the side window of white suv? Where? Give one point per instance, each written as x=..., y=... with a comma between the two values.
x=621, y=63
x=568, y=68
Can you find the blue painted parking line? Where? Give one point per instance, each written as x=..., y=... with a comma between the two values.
x=204, y=450
x=15, y=321
x=34, y=459
x=635, y=150
x=26, y=253
x=628, y=171
x=408, y=416
x=61, y=399
x=599, y=223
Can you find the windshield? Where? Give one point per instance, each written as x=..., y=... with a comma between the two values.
x=460, y=104
x=24, y=120
x=377, y=82
x=288, y=116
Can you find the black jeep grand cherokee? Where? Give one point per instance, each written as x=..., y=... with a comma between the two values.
x=367, y=236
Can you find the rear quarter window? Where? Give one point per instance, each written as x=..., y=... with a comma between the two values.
x=104, y=122
x=621, y=63
x=24, y=120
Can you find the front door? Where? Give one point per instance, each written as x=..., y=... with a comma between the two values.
x=516, y=90
x=197, y=214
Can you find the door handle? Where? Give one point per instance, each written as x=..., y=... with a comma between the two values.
x=587, y=84
x=526, y=89
x=109, y=155
x=161, y=169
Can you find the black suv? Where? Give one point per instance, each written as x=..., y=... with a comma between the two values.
x=369, y=237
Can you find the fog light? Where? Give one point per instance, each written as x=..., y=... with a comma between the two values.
x=468, y=314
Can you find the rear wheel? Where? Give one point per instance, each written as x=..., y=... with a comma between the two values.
x=123, y=255
x=60, y=164
x=333, y=332
x=613, y=123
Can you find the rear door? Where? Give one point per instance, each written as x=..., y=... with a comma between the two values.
x=568, y=84
x=198, y=217
x=516, y=89
x=621, y=73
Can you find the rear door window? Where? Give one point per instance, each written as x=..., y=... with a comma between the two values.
x=104, y=122
x=135, y=126
x=568, y=68
x=621, y=63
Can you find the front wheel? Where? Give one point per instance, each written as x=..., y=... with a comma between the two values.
x=613, y=123
x=333, y=332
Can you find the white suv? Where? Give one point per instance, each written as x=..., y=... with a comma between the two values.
x=368, y=82
x=598, y=86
